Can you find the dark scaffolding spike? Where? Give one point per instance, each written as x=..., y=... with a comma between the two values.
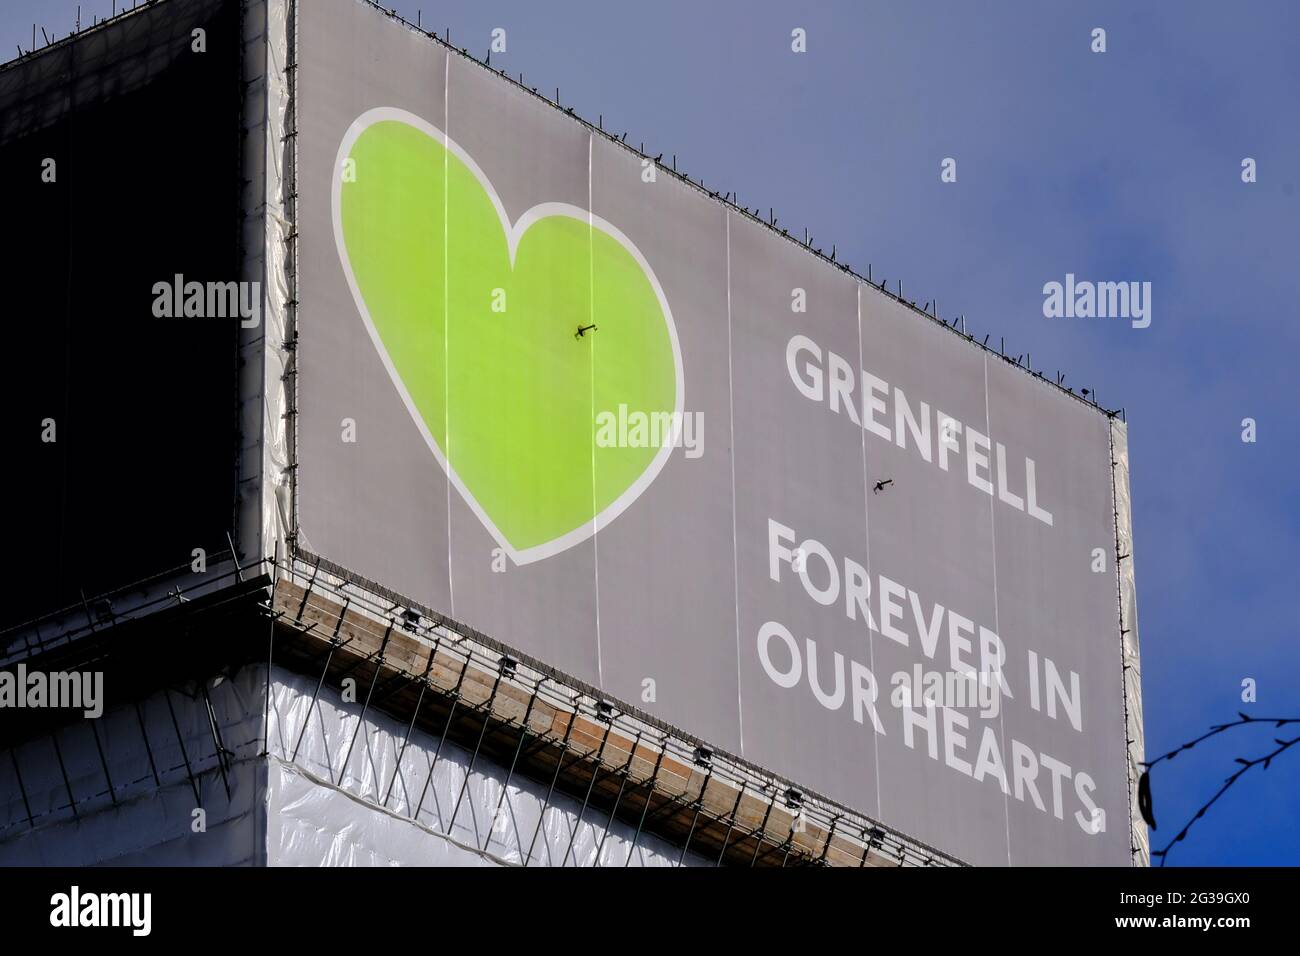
x=216, y=739
x=144, y=735
x=464, y=784
x=699, y=805
x=783, y=845
x=789, y=842
x=591, y=785
x=523, y=735
x=334, y=645
x=306, y=592
x=649, y=794
x=829, y=836
x=18, y=775
x=99, y=748
x=731, y=824
x=270, y=649
x=451, y=713
x=58, y=752
x=559, y=763
x=189, y=772
x=624, y=773
x=762, y=829
x=379, y=662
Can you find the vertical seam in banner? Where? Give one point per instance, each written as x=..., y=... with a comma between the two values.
x=997, y=623
x=446, y=316
x=591, y=320
x=735, y=559
x=292, y=95
x=866, y=531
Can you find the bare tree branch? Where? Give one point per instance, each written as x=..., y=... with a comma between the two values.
x=1245, y=765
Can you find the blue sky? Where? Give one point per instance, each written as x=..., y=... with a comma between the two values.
x=1114, y=166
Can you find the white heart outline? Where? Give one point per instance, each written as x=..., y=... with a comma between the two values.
x=514, y=233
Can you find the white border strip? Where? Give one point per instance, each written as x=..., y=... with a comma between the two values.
x=1128, y=628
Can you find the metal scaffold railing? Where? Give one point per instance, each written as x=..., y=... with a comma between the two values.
x=661, y=778
x=512, y=737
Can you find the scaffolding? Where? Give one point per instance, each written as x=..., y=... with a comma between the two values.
x=448, y=729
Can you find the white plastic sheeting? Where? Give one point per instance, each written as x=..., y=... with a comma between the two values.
x=1128, y=624
x=429, y=789
x=276, y=496
x=153, y=829
x=264, y=514
x=141, y=811
x=136, y=805
x=311, y=823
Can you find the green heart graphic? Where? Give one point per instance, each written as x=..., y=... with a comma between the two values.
x=477, y=319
